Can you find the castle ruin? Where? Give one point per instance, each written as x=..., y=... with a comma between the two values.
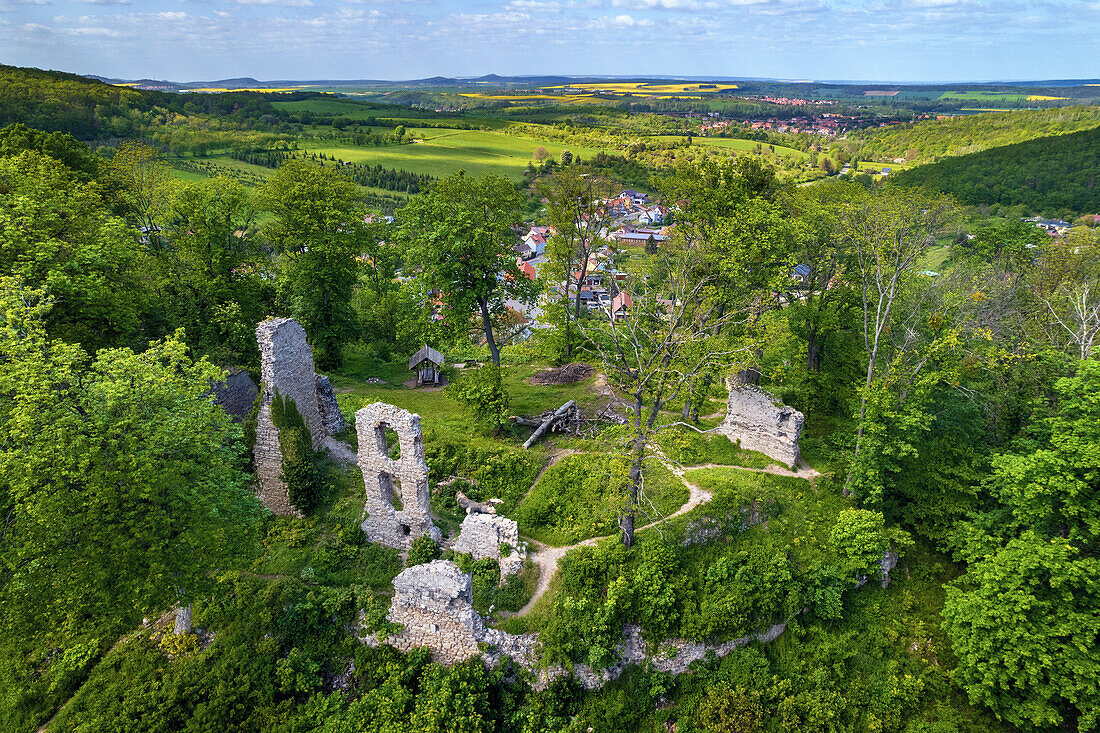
x=486, y=536
x=286, y=366
x=761, y=423
x=397, y=505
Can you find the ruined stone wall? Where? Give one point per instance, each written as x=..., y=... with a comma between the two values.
x=481, y=536
x=331, y=417
x=287, y=366
x=385, y=478
x=761, y=423
x=434, y=603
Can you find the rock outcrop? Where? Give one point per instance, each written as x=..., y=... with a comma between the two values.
x=397, y=506
x=761, y=423
x=236, y=395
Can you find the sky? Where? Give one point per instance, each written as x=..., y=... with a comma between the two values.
x=886, y=40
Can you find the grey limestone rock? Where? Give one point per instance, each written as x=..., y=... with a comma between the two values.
x=331, y=417
x=236, y=395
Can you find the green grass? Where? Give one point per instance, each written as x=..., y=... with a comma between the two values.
x=740, y=145
x=981, y=96
x=582, y=496
x=690, y=448
x=445, y=151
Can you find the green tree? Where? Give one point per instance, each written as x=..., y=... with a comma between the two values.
x=212, y=283
x=56, y=235
x=482, y=392
x=1024, y=623
x=578, y=216
x=859, y=539
x=318, y=229
x=141, y=179
x=461, y=242
x=122, y=484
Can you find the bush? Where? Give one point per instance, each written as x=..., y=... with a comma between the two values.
x=482, y=392
x=423, y=550
x=301, y=464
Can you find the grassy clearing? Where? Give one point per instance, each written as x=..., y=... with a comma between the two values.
x=444, y=151
x=983, y=96
x=743, y=146
x=581, y=497
x=689, y=448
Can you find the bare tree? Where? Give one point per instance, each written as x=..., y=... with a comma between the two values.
x=888, y=233
x=659, y=334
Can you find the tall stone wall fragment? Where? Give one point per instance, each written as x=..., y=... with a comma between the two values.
x=482, y=535
x=395, y=514
x=331, y=417
x=286, y=365
x=761, y=423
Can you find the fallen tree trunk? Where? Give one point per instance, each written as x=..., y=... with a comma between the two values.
x=558, y=414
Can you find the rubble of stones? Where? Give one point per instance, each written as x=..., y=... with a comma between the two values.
x=759, y=422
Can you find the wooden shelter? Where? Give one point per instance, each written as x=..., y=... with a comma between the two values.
x=426, y=363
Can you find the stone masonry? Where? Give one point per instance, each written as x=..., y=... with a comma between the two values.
x=395, y=515
x=434, y=604
x=482, y=535
x=286, y=365
x=761, y=423
x=331, y=417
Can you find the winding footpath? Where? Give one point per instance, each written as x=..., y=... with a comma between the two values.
x=547, y=558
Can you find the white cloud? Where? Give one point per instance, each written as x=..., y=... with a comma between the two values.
x=104, y=2
x=283, y=3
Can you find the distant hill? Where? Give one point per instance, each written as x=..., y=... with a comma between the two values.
x=1055, y=176
x=930, y=139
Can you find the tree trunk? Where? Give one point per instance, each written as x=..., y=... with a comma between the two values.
x=637, y=455
x=813, y=355
x=487, y=324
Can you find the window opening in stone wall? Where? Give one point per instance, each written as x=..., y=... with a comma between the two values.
x=391, y=490
x=393, y=443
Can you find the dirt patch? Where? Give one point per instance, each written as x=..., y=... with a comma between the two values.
x=568, y=374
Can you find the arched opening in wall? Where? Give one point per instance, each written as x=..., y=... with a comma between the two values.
x=388, y=441
x=391, y=490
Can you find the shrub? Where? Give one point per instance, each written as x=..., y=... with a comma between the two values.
x=301, y=464
x=423, y=550
x=482, y=392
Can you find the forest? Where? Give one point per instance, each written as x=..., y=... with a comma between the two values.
x=1059, y=175
x=944, y=359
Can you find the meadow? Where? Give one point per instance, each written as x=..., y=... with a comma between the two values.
x=981, y=96
x=441, y=152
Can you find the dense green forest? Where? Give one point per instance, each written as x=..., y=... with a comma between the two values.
x=1056, y=176
x=944, y=359
x=929, y=139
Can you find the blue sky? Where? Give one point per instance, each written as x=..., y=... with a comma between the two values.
x=900, y=40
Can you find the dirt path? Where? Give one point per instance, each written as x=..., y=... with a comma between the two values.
x=554, y=459
x=547, y=558
x=340, y=451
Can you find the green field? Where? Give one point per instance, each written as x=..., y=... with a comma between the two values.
x=740, y=145
x=444, y=151
x=984, y=96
